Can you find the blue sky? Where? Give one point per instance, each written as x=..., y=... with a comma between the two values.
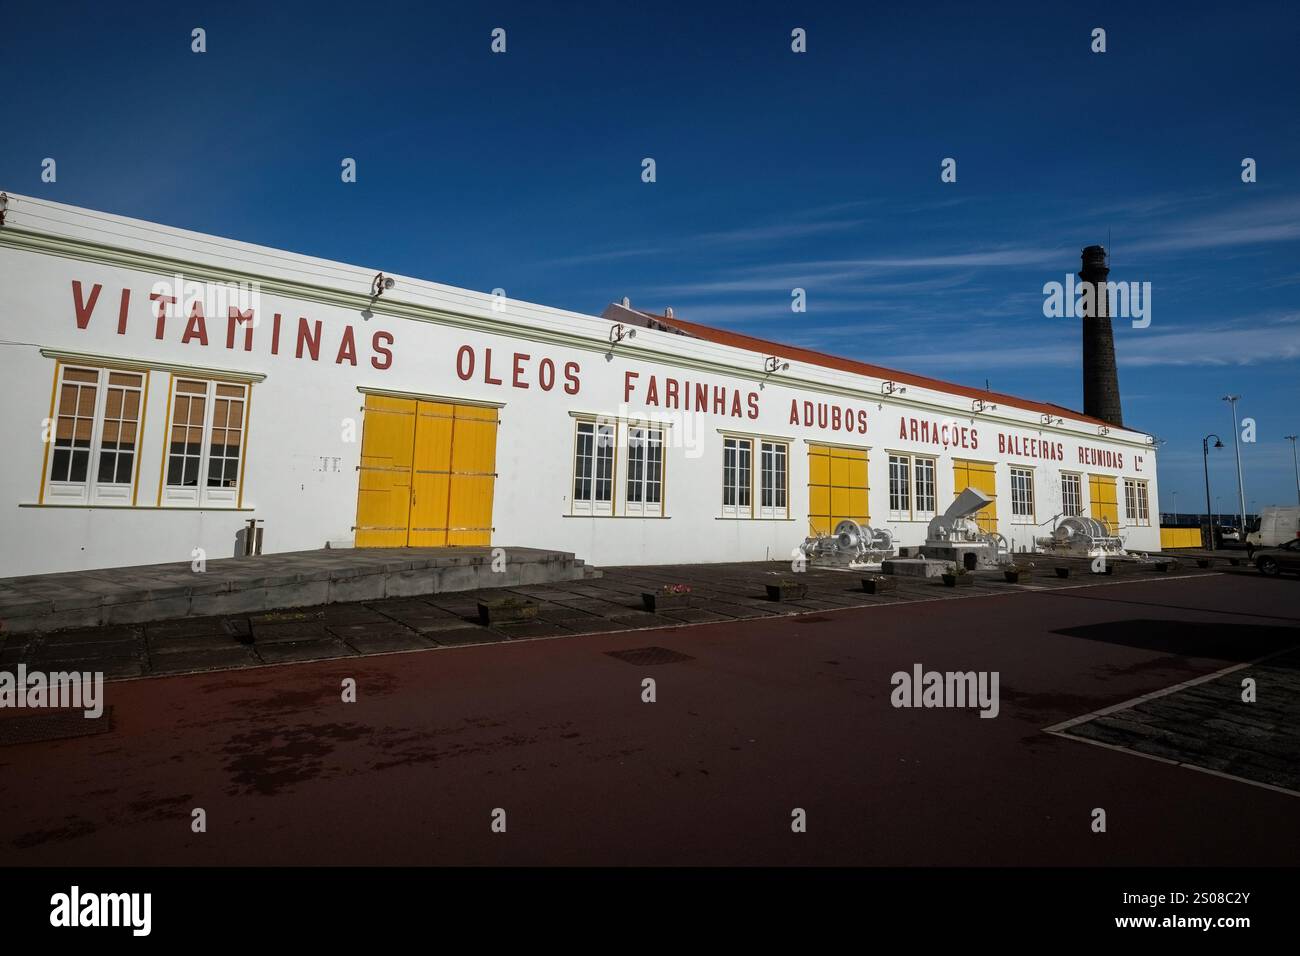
x=774, y=171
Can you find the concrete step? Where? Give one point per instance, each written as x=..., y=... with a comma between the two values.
x=49, y=602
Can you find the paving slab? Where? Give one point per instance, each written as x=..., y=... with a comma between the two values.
x=212, y=658
x=309, y=650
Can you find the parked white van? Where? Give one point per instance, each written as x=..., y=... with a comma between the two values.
x=1277, y=526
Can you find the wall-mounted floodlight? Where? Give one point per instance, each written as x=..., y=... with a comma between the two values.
x=618, y=332
x=773, y=364
x=1048, y=419
x=892, y=388
x=1103, y=430
x=380, y=284
x=979, y=405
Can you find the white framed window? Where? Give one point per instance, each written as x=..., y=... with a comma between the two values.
x=645, y=471
x=593, y=468
x=1022, y=495
x=205, y=443
x=94, y=442
x=1071, y=494
x=773, y=501
x=900, y=487
x=737, y=477
x=926, y=498
x=1136, y=502
x=912, y=493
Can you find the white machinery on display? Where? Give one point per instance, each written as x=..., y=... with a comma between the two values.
x=852, y=545
x=1078, y=537
x=956, y=536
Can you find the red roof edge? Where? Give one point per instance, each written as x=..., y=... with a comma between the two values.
x=616, y=312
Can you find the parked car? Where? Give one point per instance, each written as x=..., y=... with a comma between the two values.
x=1277, y=526
x=1274, y=561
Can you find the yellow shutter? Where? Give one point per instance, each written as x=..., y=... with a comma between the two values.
x=473, y=475
x=431, y=474
x=384, y=482
x=1105, y=504
x=427, y=474
x=982, y=476
x=837, y=487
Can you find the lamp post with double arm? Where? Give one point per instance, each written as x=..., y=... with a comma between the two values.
x=1205, y=460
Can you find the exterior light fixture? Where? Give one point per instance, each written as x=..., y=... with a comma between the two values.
x=1295, y=463
x=618, y=332
x=1205, y=462
x=979, y=405
x=773, y=364
x=1048, y=419
x=892, y=388
x=4, y=207
x=380, y=284
x=1103, y=429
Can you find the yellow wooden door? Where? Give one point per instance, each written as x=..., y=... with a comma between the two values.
x=384, y=483
x=837, y=487
x=473, y=475
x=1105, y=504
x=431, y=474
x=981, y=476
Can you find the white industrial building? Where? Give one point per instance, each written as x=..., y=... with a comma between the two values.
x=163, y=387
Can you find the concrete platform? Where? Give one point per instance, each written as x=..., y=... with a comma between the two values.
x=158, y=592
x=915, y=567
x=606, y=603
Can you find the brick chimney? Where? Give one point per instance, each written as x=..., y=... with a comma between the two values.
x=1100, y=376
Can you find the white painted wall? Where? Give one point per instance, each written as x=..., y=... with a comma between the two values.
x=298, y=411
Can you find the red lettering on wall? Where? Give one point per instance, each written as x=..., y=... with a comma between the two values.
x=380, y=350
x=347, y=348
x=465, y=362
x=517, y=379
x=235, y=317
x=197, y=326
x=121, y=311
x=571, y=384
x=546, y=375
x=308, y=337
x=163, y=301
x=84, y=309
x=487, y=368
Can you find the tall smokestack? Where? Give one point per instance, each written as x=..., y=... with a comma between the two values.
x=1100, y=376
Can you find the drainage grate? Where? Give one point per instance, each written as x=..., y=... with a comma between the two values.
x=650, y=655
x=59, y=725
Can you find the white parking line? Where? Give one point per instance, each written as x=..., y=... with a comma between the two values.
x=1059, y=730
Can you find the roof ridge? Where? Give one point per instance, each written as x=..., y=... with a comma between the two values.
x=720, y=336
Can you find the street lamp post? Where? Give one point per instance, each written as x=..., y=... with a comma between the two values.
x=1205, y=460
x=1296, y=464
x=1241, y=487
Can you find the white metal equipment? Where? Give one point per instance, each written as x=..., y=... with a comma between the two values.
x=956, y=536
x=851, y=545
x=1081, y=537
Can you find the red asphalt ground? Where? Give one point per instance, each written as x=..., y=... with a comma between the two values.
x=770, y=715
